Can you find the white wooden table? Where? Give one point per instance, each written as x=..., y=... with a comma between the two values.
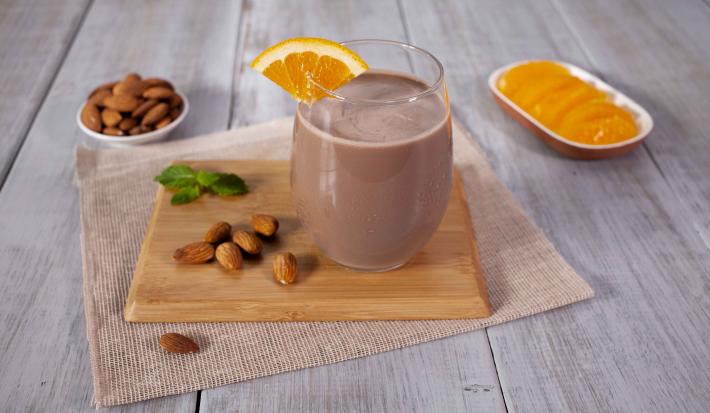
x=636, y=228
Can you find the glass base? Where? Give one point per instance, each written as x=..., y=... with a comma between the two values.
x=372, y=270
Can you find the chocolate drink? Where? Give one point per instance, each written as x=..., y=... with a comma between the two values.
x=371, y=181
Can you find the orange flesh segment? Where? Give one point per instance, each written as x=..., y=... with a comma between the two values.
x=567, y=105
x=513, y=79
x=295, y=64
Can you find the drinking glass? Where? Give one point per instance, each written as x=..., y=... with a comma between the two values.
x=371, y=164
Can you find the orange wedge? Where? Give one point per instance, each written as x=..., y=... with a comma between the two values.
x=295, y=64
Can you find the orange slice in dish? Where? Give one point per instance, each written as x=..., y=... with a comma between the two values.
x=593, y=110
x=528, y=96
x=530, y=72
x=601, y=131
x=295, y=64
x=552, y=108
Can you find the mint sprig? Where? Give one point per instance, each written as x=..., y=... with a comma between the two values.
x=191, y=184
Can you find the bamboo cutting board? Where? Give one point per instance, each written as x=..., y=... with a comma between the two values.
x=443, y=281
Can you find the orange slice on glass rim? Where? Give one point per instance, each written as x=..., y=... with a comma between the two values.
x=295, y=64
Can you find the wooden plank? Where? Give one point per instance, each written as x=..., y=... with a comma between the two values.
x=443, y=281
x=660, y=56
x=44, y=357
x=462, y=374
x=641, y=343
x=35, y=36
x=447, y=375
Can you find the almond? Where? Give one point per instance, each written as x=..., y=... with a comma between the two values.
x=163, y=122
x=121, y=103
x=264, y=224
x=132, y=77
x=144, y=107
x=91, y=117
x=105, y=86
x=127, y=124
x=98, y=97
x=156, y=81
x=229, y=256
x=177, y=343
x=146, y=128
x=247, y=241
x=157, y=92
x=136, y=130
x=195, y=253
x=110, y=117
x=155, y=114
x=174, y=113
x=285, y=268
x=175, y=101
x=112, y=131
x=218, y=232
x=130, y=87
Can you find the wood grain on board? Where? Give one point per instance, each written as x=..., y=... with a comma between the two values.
x=443, y=281
x=44, y=356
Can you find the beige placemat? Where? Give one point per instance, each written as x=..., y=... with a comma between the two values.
x=524, y=272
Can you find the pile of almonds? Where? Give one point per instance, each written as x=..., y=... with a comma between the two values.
x=131, y=106
x=229, y=253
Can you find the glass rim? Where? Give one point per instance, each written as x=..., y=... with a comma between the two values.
x=433, y=88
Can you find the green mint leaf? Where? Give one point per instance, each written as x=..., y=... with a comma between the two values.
x=229, y=184
x=186, y=195
x=206, y=179
x=177, y=177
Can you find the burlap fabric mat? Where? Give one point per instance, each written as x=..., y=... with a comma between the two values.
x=524, y=272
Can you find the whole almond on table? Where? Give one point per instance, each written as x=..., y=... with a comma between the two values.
x=91, y=117
x=177, y=343
x=110, y=117
x=113, y=131
x=285, y=268
x=121, y=103
x=158, y=92
x=218, y=232
x=264, y=224
x=144, y=107
x=163, y=122
x=155, y=114
x=229, y=255
x=250, y=243
x=195, y=253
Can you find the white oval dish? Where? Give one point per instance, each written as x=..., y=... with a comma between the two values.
x=125, y=141
x=563, y=145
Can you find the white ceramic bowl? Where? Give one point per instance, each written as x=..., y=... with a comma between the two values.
x=563, y=145
x=124, y=141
